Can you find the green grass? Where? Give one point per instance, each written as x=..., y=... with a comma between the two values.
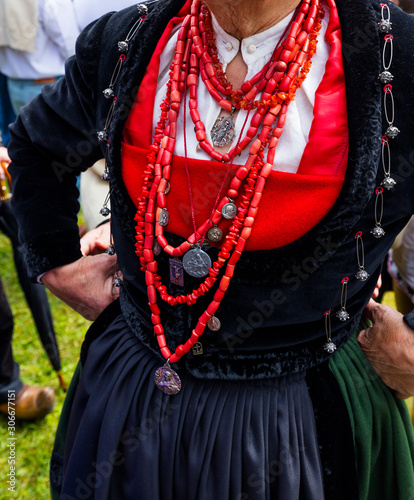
x=35, y=439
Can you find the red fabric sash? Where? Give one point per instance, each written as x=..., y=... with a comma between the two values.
x=291, y=203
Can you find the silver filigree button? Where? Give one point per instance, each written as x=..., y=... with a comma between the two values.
x=388, y=182
x=123, y=47
x=362, y=275
x=342, y=314
x=104, y=211
x=102, y=135
x=377, y=231
x=392, y=132
x=330, y=347
x=386, y=77
x=108, y=93
x=385, y=25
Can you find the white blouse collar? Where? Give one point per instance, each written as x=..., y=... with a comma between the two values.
x=254, y=47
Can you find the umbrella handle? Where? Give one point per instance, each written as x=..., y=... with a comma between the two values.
x=61, y=381
x=6, y=171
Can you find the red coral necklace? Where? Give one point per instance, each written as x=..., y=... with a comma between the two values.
x=278, y=81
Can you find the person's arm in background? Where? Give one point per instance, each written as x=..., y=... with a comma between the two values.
x=60, y=24
x=44, y=182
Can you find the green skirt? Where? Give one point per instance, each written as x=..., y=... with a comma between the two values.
x=381, y=427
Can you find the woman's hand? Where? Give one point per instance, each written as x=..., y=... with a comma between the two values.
x=86, y=285
x=389, y=347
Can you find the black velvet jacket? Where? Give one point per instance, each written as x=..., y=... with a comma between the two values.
x=273, y=313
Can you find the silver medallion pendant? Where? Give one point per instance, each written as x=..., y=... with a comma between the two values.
x=167, y=380
x=342, y=314
x=215, y=234
x=229, y=211
x=223, y=131
x=197, y=262
x=157, y=248
x=362, y=275
x=176, y=272
x=214, y=324
x=164, y=217
x=330, y=347
x=377, y=231
x=388, y=182
x=392, y=132
x=197, y=349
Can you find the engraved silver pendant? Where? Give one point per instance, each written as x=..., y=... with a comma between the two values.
x=377, y=231
x=229, y=211
x=330, y=347
x=176, y=272
x=342, y=314
x=214, y=324
x=164, y=217
x=156, y=248
x=223, y=131
x=362, y=275
x=198, y=349
x=215, y=234
x=392, y=132
x=388, y=182
x=167, y=380
x=197, y=262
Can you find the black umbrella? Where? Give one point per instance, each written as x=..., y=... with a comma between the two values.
x=35, y=294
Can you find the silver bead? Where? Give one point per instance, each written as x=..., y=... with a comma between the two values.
x=385, y=26
x=342, y=314
x=330, y=347
x=104, y=211
x=386, y=77
x=108, y=93
x=362, y=275
x=105, y=176
x=102, y=135
x=117, y=282
x=377, y=231
x=392, y=132
x=388, y=182
x=123, y=46
x=142, y=9
x=110, y=250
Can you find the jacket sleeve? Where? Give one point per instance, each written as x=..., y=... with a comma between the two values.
x=52, y=141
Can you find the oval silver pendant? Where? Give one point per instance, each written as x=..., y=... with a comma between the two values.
x=229, y=211
x=223, y=131
x=164, y=217
x=196, y=262
x=215, y=234
x=214, y=324
x=167, y=380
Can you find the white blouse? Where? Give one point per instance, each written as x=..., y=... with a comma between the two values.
x=256, y=52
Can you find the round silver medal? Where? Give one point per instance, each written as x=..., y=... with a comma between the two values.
x=215, y=234
x=167, y=380
x=196, y=262
x=229, y=211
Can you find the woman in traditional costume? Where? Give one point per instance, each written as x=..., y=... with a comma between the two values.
x=258, y=157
